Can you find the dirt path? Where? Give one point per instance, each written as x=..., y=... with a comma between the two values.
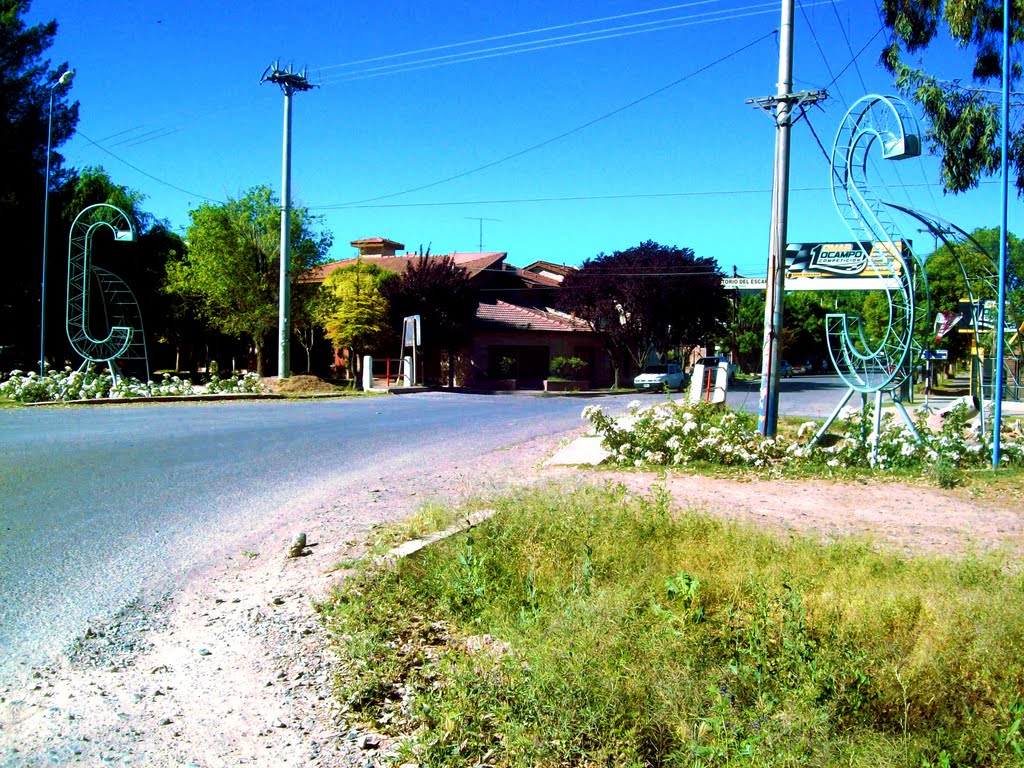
x=234, y=669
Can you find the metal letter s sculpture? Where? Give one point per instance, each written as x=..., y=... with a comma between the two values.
x=125, y=339
x=872, y=365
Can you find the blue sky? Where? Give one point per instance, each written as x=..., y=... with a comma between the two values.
x=172, y=88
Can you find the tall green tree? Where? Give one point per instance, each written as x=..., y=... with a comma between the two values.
x=353, y=311
x=231, y=269
x=647, y=297
x=25, y=79
x=440, y=292
x=964, y=117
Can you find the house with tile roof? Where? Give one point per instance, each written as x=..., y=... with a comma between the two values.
x=517, y=330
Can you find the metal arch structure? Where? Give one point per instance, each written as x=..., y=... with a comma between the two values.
x=867, y=365
x=125, y=339
x=981, y=283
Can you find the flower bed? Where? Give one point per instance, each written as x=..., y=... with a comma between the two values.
x=673, y=434
x=67, y=385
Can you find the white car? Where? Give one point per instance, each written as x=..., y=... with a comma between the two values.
x=661, y=376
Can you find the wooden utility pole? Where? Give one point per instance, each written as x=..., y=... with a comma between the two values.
x=782, y=104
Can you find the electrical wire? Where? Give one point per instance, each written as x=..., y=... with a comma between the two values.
x=585, y=198
x=149, y=175
x=555, y=42
x=553, y=139
x=510, y=35
x=849, y=47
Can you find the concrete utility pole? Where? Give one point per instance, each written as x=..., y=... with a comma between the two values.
x=782, y=103
x=289, y=82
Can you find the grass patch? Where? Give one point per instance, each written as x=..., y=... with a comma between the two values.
x=592, y=627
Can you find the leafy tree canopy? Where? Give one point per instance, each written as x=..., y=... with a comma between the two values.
x=93, y=185
x=964, y=119
x=231, y=270
x=352, y=310
x=440, y=292
x=647, y=297
x=25, y=80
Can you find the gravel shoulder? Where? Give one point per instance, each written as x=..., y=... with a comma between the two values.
x=234, y=669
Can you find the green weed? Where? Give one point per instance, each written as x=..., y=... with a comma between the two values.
x=595, y=627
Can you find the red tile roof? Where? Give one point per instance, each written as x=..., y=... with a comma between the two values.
x=501, y=314
x=473, y=262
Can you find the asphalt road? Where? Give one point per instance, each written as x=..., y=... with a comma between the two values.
x=99, y=505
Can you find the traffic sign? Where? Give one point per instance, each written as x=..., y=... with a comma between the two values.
x=935, y=354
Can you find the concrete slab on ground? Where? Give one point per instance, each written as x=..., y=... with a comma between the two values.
x=583, y=450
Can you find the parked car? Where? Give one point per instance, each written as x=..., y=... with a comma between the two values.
x=713, y=360
x=785, y=369
x=661, y=376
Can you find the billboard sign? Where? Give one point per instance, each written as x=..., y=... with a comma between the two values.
x=860, y=266
x=860, y=259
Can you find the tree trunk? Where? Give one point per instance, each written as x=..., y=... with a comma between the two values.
x=259, y=360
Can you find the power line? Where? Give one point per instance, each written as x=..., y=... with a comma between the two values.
x=587, y=198
x=560, y=136
x=493, y=38
x=149, y=175
x=849, y=47
x=555, y=42
x=855, y=57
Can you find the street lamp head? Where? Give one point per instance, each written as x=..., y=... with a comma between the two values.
x=64, y=78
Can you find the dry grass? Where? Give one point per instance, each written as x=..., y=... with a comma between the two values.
x=300, y=385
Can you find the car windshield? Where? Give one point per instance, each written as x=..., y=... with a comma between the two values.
x=656, y=369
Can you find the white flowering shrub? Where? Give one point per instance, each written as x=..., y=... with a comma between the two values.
x=246, y=383
x=66, y=385
x=676, y=434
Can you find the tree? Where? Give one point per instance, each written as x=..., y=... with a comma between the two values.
x=442, y=295
x=231, y=269
x=749, y=330
x=803, y=327
x=353, y=312
x=25, y=79
x=647, y=297
x=964, y=120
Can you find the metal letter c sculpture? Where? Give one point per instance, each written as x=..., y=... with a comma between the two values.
x=125, y=338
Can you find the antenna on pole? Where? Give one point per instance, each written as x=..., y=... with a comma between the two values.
x=290, y=82
x=481, y=219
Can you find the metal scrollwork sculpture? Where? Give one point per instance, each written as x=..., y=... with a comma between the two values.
x=124, y=339
x=871, y=365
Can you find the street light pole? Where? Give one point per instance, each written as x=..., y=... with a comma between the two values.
x=64, y=78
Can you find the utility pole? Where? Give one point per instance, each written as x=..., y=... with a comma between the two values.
x=481, y=219
x=782, y=103
x=289, y=82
